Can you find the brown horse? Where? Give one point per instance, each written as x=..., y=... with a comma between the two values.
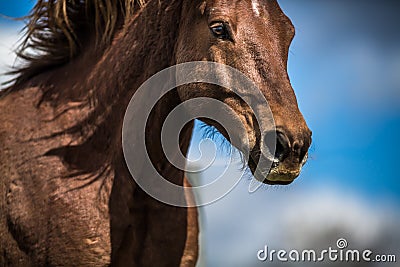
x=67, y=197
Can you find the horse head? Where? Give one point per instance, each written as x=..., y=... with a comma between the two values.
x=252, y=36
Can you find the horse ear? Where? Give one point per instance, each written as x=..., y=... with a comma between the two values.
x=202, y=7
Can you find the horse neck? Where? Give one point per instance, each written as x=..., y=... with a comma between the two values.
x=143, y=47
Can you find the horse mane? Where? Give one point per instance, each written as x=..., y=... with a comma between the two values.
x=56, y=30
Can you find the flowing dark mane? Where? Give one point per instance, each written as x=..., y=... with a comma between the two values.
x=56, y=31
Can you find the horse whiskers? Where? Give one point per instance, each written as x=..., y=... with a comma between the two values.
x=213, y=134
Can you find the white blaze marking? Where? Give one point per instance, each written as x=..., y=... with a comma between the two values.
x=255, y=6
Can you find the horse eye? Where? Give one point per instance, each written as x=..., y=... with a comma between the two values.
x=219, y=30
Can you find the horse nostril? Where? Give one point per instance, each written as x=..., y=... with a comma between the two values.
x=297, y=147
x=277, y=142
x=299, y=150
x=279, y=145
x=282, y=146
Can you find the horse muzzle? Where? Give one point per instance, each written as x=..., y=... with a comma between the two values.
x=284, y=165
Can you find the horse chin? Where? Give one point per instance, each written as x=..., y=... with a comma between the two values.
x=281, y=177
x=277, y=175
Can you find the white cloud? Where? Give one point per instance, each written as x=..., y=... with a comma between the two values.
x=9, y=36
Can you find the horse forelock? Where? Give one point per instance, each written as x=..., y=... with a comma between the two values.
x=55, y=28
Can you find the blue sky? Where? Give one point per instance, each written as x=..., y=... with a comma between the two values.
x=16, y=8
x=344, y=65
x=345, y=69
